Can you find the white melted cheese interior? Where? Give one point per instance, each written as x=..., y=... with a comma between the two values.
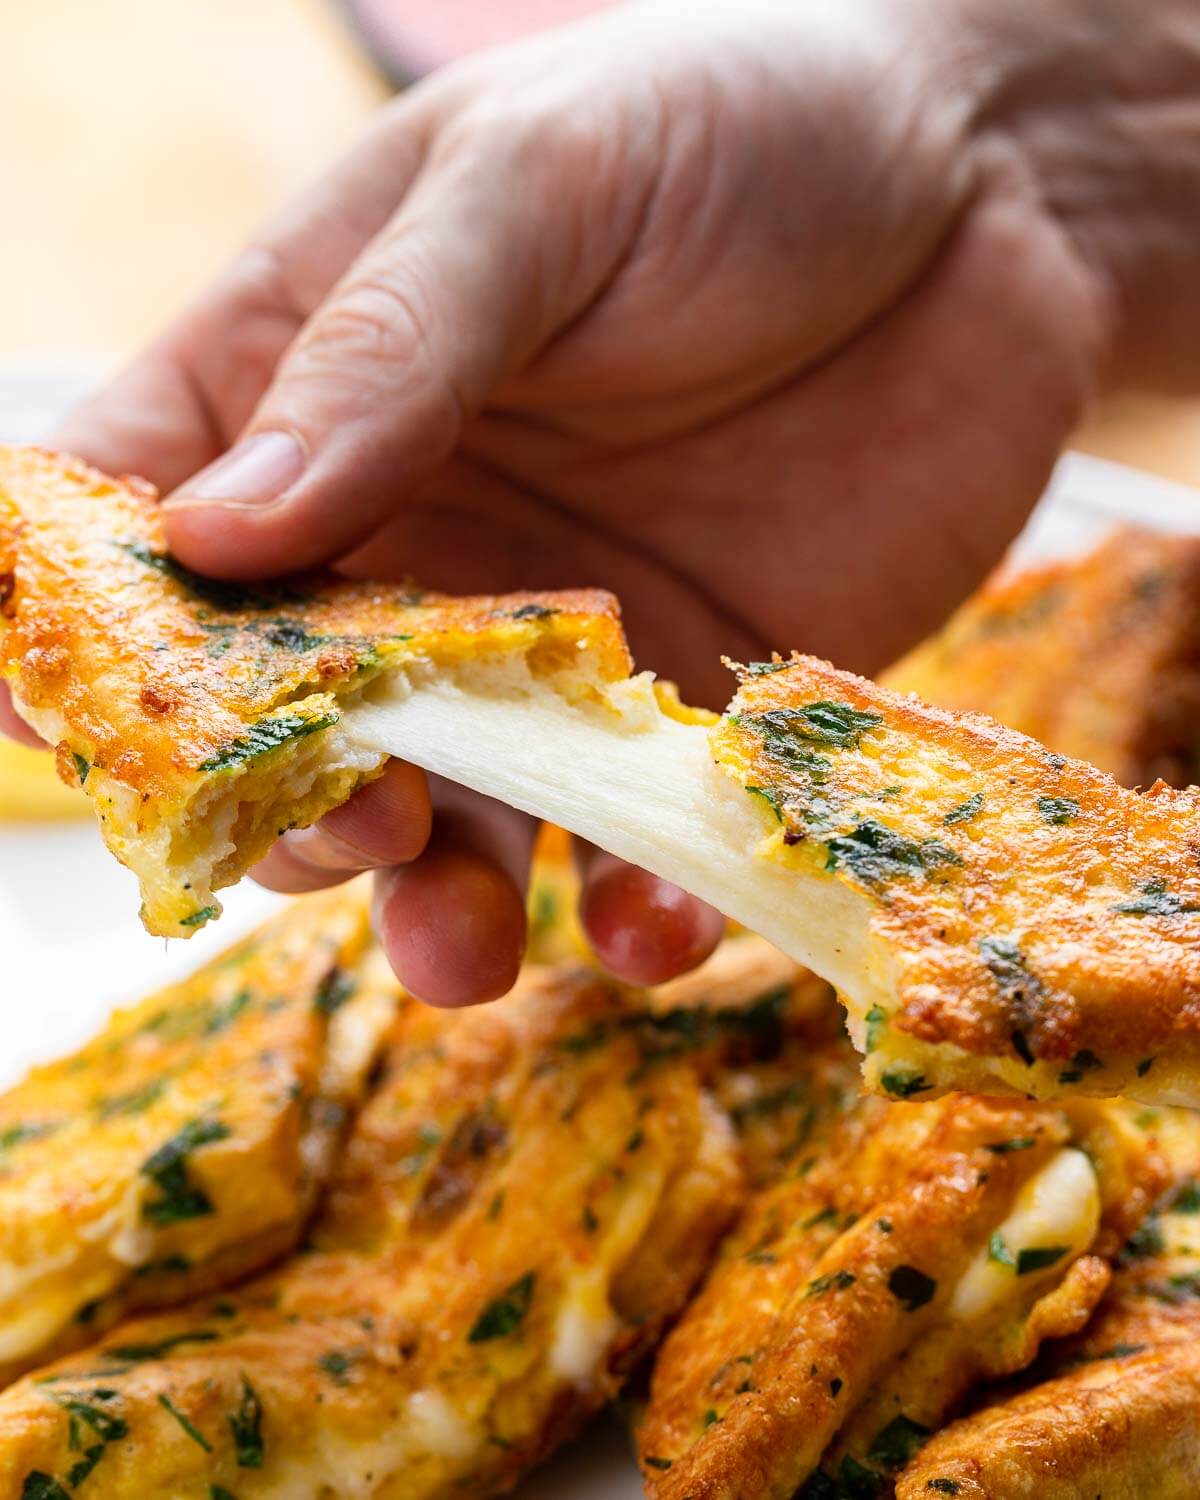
x=628, y=777
x=1058, y=1209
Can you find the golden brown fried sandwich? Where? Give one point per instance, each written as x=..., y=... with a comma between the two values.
x=1117, y=1410
x=529, y=1196
x=909, y=1252
x=203, y=718
x=186, y=1144
x=1097, y=657
x=997, y=917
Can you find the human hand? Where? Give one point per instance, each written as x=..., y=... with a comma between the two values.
x=771, y=319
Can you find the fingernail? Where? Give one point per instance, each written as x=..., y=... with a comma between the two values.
x=255, y=472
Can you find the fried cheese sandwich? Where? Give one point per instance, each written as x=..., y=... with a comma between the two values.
x=187, y=1144
x=994, y=916
x=910, y=1252
x=527, y=1199
x=1117, y=1410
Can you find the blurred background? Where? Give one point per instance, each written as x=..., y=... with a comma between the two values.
x=145, y=138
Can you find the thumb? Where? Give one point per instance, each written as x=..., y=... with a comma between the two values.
x=477, y=269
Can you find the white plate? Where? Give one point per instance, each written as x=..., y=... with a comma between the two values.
x=58, y=880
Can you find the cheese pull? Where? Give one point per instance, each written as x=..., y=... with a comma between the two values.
x=994, y=916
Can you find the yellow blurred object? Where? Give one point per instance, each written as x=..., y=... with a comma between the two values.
x=30, y=789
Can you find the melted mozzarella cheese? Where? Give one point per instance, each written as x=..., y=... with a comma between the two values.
x=641, y=784
x=1059, y=1209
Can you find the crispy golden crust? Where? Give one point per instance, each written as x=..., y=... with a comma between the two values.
x=841, y=1323
x=1116, y=1411
x=185, y=705
x=1098, y=658
x=531, y=1193
x=186, y=1144
x=1032, y=926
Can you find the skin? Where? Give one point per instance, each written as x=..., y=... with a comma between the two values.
x=687, y=301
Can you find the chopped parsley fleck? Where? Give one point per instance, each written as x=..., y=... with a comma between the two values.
x=245, y=1425
x=219, y=1492
x=877, y=1021
x=1018, y=985
x=189, y=1427
x=999, y=1253
x=897, y=1442
x=1186, y=1198
x=504, y=1315
x=662, y=1464
x=133, y=1102
x=835, y=1386
x=1084, y=1061
x=201, y=915
x=212, y=591
x=1145, y=1241
x=943, y=1486
x=338, y=1366
x=333, y=992
x=912, y=1287
x=710, y=1418
x=531, y=612
x=589, y=1220
x=82, y=766
x=181, y=1199
x=965, y=811
x=884, y=1226
x=83, y=1412
x=1144, y=1066
x=136, y=1354
x=20, y=1135
x=903, y=1083
x=836, y=724
x=832, y=1281
x=764, y=668
x=822, y=1216
x=39, y=1486
x=1038, y=1257
x=1058, y=810
x=771, y=797
x=1156, y=901
x=1017, y=1143
x=265, y=735
x=876, y=854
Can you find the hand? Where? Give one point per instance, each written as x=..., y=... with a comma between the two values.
x=773, y=319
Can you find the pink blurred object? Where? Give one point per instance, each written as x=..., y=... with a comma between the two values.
x=408, y=39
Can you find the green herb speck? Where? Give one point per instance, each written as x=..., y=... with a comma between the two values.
x=504, y=1315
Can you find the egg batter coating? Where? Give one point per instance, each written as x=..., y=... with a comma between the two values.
x=909, y=1252
x=529, y=1196
x=1116, y=1411
x=998, y=918
x=187, y=1143
x=1097, y=657
x=204, y=718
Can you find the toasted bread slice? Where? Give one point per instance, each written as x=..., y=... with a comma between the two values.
x=187, y=1143
x=994, y=916
x=1117, y=1410
x=1097, y=657
x=527, y=1199
x=908, y=1253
